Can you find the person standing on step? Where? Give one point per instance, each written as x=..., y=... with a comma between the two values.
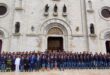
x=17, y=63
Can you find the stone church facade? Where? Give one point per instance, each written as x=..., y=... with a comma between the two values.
x=69, y=25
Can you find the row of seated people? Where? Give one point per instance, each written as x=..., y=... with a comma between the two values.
x=35, y=61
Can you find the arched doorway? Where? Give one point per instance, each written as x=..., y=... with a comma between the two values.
x=107, y=41
x=1, y=40
x=107, y=46
x=55, y=39
x=51, y=23
x=0, y=45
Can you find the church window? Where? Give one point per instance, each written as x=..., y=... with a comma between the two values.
x=105, y=13
x=3, y=10
x=17, y=27
x=92, y=30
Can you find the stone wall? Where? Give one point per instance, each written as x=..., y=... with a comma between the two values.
x=35, y=23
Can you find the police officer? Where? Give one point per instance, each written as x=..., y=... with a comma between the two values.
x=8, y=63
x=3, y=63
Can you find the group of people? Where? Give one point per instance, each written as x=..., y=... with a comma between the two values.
x=35, y=61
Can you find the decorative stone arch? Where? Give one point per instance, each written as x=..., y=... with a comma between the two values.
x=4, y=33
x=107, y=41
x=1, y=40
x=105, y=34
x=104, y=38
x=57, y=23
x=3, y=36
x=61, y=25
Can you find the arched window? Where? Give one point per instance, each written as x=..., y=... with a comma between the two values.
x=55, y=8
x=64, y=9
x=92, y=31
x=17, y=27
x=46, y=8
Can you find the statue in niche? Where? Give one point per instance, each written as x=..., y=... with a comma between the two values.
x=64, y=9
x=92, y=31
x=46, y=8
x=55, y=8
x=17, y=27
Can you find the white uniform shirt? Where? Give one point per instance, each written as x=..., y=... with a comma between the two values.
x=17, y=61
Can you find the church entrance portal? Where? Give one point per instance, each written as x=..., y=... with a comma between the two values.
x=55, y=43
x=0, y=45
x=108, y=46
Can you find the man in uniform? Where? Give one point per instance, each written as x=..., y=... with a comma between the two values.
x=3, y=63
x=17, y=63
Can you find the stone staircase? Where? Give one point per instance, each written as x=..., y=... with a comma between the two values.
x=66, y=72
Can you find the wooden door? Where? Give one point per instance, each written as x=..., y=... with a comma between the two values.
x=55, y=43
x=108, y=46
x=0, y=46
